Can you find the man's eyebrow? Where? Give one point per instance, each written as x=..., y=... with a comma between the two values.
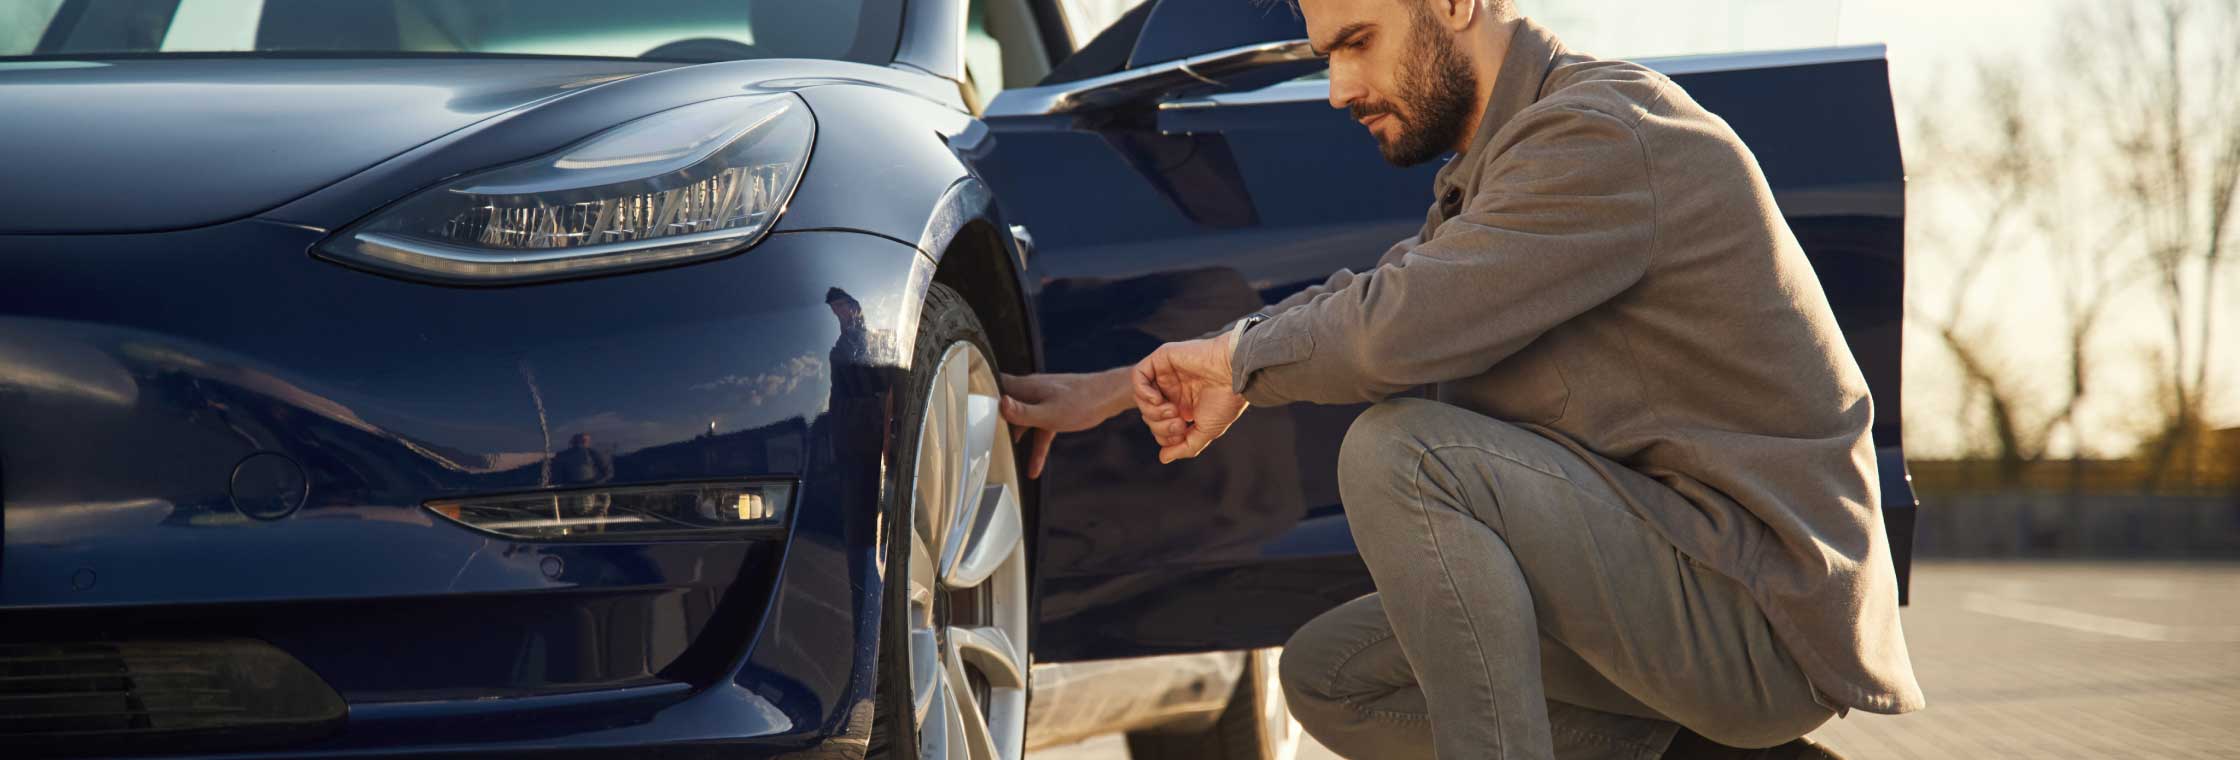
x=1345, y=34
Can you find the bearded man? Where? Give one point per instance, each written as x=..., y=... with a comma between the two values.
x=1638, y=515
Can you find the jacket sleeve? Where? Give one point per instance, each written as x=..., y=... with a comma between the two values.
x=1338, y=281
x=1564, y=220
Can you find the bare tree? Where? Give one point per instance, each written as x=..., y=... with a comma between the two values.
x=2006, y=171
x=2163, y=76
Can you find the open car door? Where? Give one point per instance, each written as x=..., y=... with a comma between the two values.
x=1202, y=175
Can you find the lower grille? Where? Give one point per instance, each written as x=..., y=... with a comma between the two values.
x=152, y=696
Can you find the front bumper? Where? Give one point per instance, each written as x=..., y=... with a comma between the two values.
x=139, y=373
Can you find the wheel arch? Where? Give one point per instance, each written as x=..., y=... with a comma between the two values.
x=977, y=255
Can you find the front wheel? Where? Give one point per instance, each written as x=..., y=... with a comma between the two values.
x=953, y=652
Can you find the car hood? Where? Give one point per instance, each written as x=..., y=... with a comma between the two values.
x=143, y=145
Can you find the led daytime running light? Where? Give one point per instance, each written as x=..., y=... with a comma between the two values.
x=735, y=197
x=634, y=513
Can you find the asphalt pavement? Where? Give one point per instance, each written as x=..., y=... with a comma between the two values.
x=2039, y=660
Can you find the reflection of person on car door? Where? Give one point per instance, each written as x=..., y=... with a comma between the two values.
x=1638, y=514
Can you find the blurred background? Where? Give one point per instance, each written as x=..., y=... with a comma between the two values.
x=2072, y=356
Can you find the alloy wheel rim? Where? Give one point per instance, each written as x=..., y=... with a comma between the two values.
x=967, y=594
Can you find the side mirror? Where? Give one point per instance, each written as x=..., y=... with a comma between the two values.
x=1241, y=68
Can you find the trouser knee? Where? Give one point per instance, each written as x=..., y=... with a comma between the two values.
x=1309, y=659
x=1349, y=687
x=1304, y=673
x=1342, y=654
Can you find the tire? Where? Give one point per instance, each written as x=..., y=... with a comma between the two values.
x=953, y=650
x=1257, y=725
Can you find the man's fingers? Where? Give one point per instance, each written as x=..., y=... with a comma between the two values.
x=1198, y=439
x=1191, y=445
x=1170, y=385
x=1022, y=414
x=1147, y=390
x=1165, y=440
x=1018, y=432
x=1023, y=382
x=1169, y=432
x=1166, y=432
x=1042, y=439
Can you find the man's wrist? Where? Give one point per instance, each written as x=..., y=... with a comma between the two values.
x=1118, y=384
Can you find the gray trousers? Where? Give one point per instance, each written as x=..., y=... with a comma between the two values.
x=1524, y=612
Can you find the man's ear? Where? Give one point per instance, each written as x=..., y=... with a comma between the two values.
x=1458, y=14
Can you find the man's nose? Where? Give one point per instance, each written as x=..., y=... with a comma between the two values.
x=1343, y=90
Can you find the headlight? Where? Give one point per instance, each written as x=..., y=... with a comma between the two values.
x=701, y=180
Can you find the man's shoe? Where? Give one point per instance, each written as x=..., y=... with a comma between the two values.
x=1689, y=745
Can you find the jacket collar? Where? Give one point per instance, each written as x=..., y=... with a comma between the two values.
x=1533, y=54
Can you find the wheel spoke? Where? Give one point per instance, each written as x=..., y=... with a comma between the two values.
x=922, y=575
x=973, y=436
x=926, y=678
x=938, y=727
x=936, y=476
x=961, y=722
x=990, y=650
x=958, y=444
x=990, y=542
x=979, y=744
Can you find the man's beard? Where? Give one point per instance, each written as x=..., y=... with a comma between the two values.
x=1437, y=88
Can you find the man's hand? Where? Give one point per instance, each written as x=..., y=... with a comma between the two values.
x=1061, y=403
x=1183, y=391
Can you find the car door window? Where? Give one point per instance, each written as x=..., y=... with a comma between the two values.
x=1002, y=49
x=1086, y=18
x=22, y=23
x=676, y=30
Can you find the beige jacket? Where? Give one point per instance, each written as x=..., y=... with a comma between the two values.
x=1607, y=267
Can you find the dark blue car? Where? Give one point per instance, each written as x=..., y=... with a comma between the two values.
x=434, y=377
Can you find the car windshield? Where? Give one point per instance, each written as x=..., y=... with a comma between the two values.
x=678, y=30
